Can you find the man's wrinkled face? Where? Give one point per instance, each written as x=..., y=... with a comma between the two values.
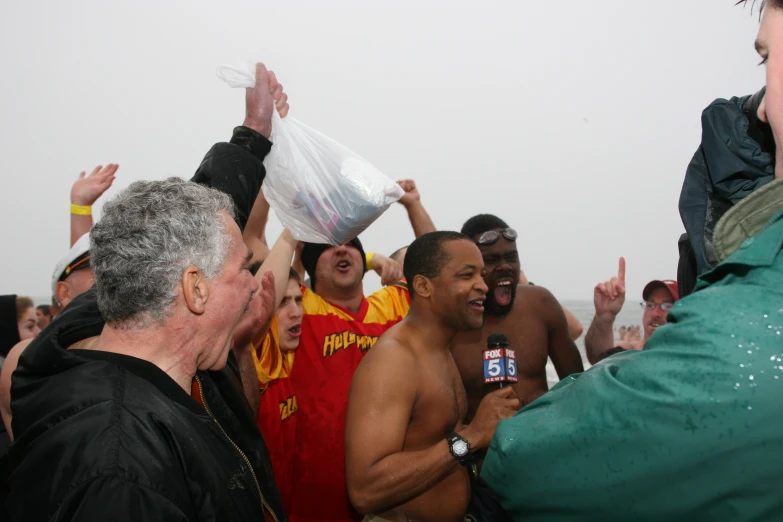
x=656, y=317
x=230, y=293
x=769, y=45
x=339, y=269
x=501, y=263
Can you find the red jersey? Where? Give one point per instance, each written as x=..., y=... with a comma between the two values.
x=277, y=416
x=333, y=343
x=277, y=410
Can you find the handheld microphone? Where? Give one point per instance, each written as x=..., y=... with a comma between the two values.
x=500, y=361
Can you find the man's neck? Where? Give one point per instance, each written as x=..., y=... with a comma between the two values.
x=164, y=347
x=351, y=300
x=430, y=327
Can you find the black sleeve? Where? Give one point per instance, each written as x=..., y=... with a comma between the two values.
x=237, y=169
x=117, y=500
x=610, y=352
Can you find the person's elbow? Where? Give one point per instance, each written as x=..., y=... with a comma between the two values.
x=365, y=498
x=596, y=354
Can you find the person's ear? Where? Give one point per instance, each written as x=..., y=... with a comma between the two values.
x=63, y=293
x=195, y=290
x=422, y=286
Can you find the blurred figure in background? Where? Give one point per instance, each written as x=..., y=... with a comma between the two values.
x=43, y=316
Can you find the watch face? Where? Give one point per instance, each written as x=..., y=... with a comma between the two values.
x=460, y=448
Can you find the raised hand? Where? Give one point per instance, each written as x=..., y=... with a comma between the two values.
x=86, y=190
x=261, y=100
x=609, y=296
x=389, y=269
x=281, y=98
x=255, y=322
x=411, y=195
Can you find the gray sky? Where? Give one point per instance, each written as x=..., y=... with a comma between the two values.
x=574, y=121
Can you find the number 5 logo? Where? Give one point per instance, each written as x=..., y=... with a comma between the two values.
x=494, y=368
x=512, y=367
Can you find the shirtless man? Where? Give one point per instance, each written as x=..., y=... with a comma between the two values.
x=530, y=316
x=406, y=445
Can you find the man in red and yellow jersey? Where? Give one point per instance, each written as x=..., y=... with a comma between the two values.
x=340, y=324
x=274, y=359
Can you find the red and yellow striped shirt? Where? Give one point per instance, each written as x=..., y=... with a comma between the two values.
x=333, y=342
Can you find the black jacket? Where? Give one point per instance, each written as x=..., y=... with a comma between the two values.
x=108, y=437
x=236, y=168
x=128, y=470
x=735, y=157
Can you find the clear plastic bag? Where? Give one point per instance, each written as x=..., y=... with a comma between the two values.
x=319, y=189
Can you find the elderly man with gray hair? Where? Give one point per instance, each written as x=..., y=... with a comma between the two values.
x=107, y=421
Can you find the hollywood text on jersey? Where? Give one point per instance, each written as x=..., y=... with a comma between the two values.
x=345, y=340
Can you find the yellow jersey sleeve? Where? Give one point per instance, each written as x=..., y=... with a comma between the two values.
x=389, y=304
x=269, y=361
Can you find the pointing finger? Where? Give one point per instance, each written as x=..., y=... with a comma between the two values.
x=621, y=270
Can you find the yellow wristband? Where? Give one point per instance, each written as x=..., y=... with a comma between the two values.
x=368, y=264
x=81, y=210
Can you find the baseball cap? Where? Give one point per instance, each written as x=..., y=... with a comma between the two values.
x=668, y=284
x=78, y=257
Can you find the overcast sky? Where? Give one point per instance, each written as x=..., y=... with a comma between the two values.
x=574, y=121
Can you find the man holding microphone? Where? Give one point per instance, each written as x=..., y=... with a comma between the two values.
x=407, y=395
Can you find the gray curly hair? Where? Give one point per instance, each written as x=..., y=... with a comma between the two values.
x=146, y=237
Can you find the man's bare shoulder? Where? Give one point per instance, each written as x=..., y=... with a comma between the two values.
x=533, y=299
x=390, y=364
x=394, y=345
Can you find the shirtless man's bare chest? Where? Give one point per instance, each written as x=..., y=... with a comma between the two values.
x=528, y=334
x=440, y=405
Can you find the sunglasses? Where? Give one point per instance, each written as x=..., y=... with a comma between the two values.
x=649, y=305
x=491, y=237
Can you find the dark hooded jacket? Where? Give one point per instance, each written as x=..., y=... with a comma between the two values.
x=736, y=156
x=9, y=336
x=9, y=326
x=103, y=436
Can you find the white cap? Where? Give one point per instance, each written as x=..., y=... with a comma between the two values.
x=71, y=260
